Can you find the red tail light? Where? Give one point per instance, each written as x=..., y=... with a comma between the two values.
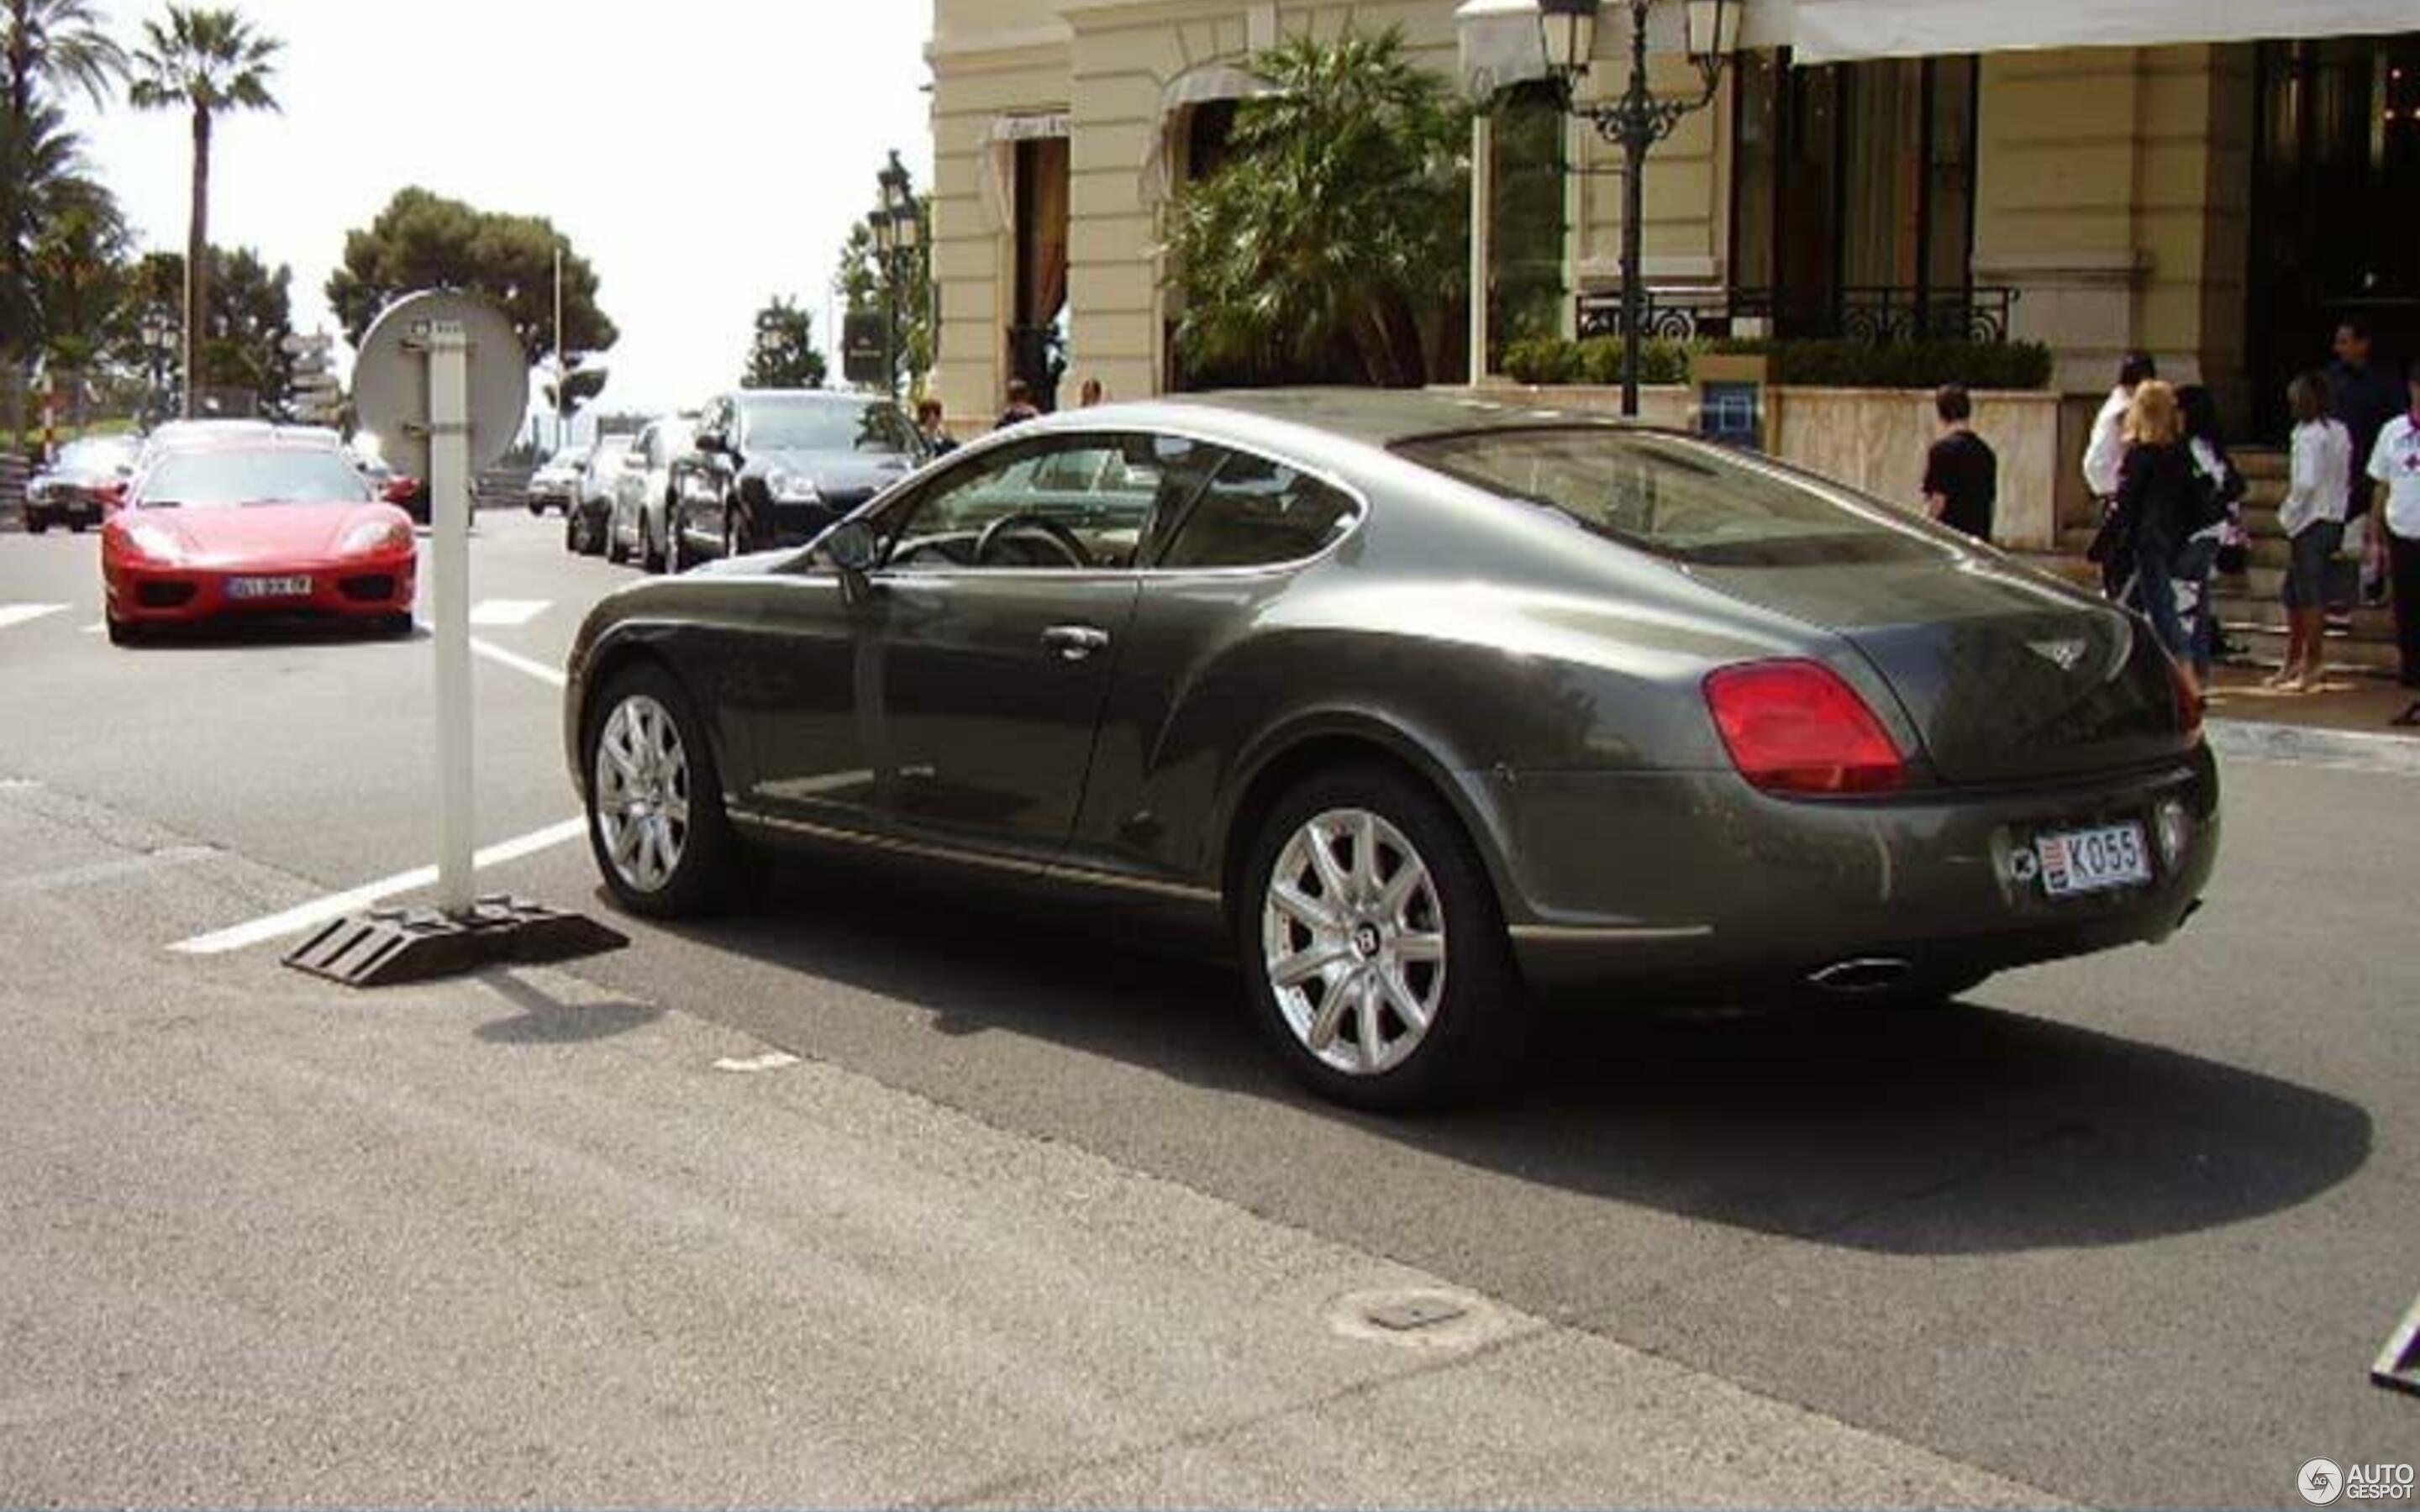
x=1796, y=727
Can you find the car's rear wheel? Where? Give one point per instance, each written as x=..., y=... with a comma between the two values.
x=1375, y=950
x=76, y=527
x=36, y=524
x=655, y=803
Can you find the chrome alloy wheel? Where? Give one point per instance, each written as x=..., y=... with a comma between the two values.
x=642, y=793
x=1353, y=939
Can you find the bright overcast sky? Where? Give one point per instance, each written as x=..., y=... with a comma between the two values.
x=702, y=155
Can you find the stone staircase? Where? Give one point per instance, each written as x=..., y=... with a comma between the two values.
x=2248, y=604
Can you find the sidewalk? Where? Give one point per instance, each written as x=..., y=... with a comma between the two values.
x=2346, y=700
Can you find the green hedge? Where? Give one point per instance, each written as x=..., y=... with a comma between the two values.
x=1832, y=365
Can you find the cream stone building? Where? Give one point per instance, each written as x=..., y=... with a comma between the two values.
x=2220, y=200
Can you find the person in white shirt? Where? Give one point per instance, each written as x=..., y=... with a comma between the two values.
x=2395, y=468
x=2104, y=453
x=2317, y=488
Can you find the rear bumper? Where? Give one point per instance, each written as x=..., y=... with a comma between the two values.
x=366, y=588
x=1696, y=883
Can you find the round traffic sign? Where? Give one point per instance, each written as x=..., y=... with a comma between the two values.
x=391, y=378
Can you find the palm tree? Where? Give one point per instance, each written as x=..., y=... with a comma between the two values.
x=61, y=42
x=1334, y=233
x=48, y=48
x=208, y=62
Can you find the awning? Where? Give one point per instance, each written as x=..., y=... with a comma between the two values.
x=1502, y=44
x=1828, y=31
x=1203, y=86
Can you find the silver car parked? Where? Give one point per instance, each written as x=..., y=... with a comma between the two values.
x=639, y=523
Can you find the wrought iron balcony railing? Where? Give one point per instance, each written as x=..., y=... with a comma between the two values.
x=1879, y=313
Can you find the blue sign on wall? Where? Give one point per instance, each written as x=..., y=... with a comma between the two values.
x=1733, y=413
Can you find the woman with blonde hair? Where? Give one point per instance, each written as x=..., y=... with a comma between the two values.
x=2318, y=492
x=2158, y=504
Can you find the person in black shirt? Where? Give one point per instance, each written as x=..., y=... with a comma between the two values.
x=1961, y=476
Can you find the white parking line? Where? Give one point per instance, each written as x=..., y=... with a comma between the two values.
x=507, y=611
x=20, y=613
x=550, y=676
x=336, y=905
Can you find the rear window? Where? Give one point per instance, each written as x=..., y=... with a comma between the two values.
x=1677, y=499
x=228, y=478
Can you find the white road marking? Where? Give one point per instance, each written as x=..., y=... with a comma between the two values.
x=95, y=627
x=769, y=1060
x=508, y=610
x=550, y=676
x=336, y=905
x=20, y=613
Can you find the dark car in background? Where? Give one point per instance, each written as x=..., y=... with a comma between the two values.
x=1433, y=703
x=774, y=467
x=86, y=481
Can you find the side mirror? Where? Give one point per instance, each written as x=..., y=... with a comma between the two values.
x=852, y=547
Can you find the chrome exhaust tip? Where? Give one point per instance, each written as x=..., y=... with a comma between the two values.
x=1864, y=974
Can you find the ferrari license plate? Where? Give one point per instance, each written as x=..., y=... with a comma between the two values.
x=2093, y=861
x=268, y=587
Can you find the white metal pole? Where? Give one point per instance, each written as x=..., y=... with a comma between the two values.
x=1483, y=219
x=449, y=498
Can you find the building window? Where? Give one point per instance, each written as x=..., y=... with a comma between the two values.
x=1037, y=334
x=1852, y=184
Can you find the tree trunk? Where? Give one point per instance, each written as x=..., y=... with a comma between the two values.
x=197, y=249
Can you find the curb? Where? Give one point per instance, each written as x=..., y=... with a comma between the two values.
x=2353, y=749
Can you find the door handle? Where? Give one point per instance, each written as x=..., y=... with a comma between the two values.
x=1073, y=642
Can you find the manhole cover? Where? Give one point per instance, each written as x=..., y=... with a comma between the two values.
x=1417, y=1312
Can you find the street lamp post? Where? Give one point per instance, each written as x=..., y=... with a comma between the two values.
x=1634, y=121
x=895, y=236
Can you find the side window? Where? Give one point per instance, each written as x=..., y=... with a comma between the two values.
x=1257, y=513
x=1083, y=502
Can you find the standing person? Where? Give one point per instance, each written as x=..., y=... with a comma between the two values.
x=2220, y=505
x=2157, y=501
x=2363, y=393
x=1961, y=476
x=1021, y=407
x=1091, y=394
x=2104, y=451
x=2313, y=518
x=937, y=439
x=2395, y=468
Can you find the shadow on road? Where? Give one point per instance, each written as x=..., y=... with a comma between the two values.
x=1965, y=1130
x=262, y=633
x=548, y=1019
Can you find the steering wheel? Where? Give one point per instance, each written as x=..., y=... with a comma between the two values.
x=1027, y=522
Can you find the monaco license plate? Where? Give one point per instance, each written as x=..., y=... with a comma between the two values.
x=269, y=588
x=2093, y=861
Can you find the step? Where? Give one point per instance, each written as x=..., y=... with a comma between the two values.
x=2261, y=646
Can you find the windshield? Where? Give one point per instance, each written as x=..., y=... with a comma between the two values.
x=1679, y=499
x=830, y=426
x=96, y=454
x=230, y=478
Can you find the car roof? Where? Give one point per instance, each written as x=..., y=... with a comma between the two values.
x=1379, y=417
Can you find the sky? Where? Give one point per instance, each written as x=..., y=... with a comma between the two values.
x=703, y=156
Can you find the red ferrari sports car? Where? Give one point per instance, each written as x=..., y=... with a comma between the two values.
x=256, y=526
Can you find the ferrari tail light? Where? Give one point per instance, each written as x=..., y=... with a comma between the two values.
x=1797, y=728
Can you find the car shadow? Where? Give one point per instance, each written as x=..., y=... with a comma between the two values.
x=1962, y=1129
x=266, y=633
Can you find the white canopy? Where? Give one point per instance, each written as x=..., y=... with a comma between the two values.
x=1502, y=44
x=1827, y=31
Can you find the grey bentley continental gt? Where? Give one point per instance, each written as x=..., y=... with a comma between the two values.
x=1439, y=706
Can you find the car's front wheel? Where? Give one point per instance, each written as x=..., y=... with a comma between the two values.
x=36, y=524
x=1374, y=952
x=655, y=804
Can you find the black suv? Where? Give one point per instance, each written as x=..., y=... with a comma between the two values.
x=773, y=467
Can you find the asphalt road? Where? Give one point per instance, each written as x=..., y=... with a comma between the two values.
x=2121, y=1231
